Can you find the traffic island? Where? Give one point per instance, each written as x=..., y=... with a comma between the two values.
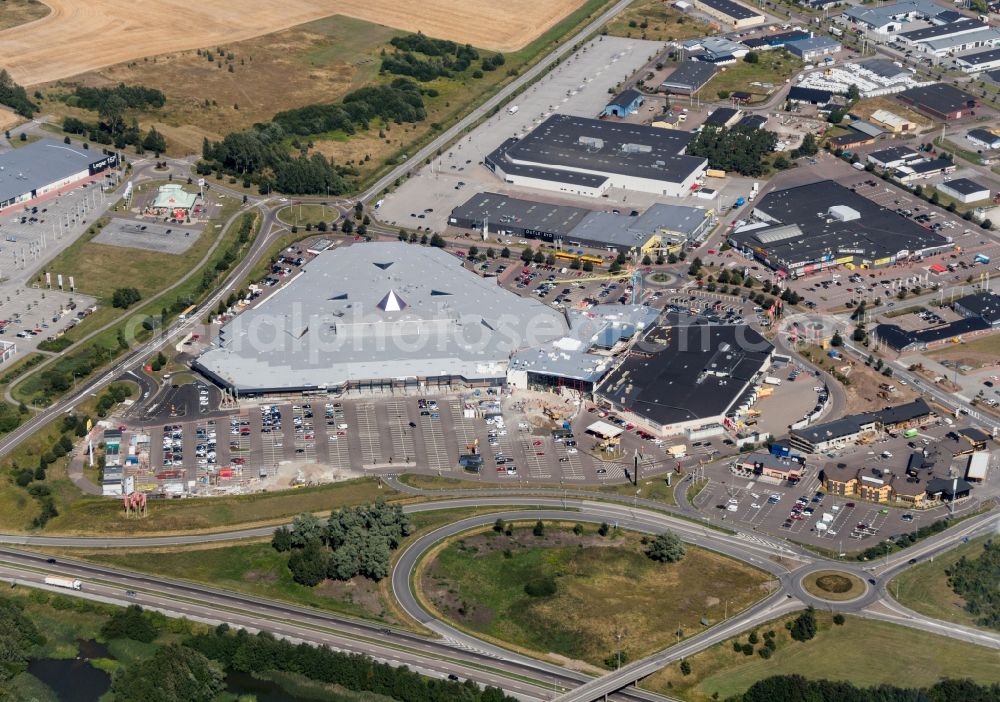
x=833, y=585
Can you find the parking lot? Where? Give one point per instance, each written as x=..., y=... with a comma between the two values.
x=578, y=86
x=149, y=236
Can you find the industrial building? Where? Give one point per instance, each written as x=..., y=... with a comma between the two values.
x=983, y=139
x=624, y=104
x=813, y=48
x=847, y=430
x=964, y=190
x=940, y=101
x=732, y=14
x=891, y=122
x=660, y=226
x=46, y=166
x=893, y=157
x=910, y=340
x=812, y=227
x=687, y=377
x=981, y=305
x=723, y=117
x=810, y=96
x=383, y=314
x=589, y=156
x=688, y=78
x=889, y=19
x=979, y=62
x=916, y=37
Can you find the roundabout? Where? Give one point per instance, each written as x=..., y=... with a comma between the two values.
x=834, y=585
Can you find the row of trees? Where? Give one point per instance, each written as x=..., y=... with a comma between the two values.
x=113, y=131
x=136, y=97
x=15, y=96
x=353, y=541
x=262, y=652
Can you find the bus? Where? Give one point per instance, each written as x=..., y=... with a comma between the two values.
x=186, y=313
x=596, y=260
x=565, y=255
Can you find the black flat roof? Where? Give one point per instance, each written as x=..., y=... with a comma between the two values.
x=687, y=371
x=893, y=153
x=983, y=135
x=690, y=75
x=899, y=338
x=720, y=116
x=943, y=30
x=941, y=98
x=814, y=95
x=557, y=220
x=499, y=158
x=568, y=144
x=732, y=9
x=625, y=98
x=981, y=57
x=932, y=166
x=755, y=121
x=983, y=304
x=965, y=186
x=807, y=233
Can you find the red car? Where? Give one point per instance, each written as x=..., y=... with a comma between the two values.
x=536, y=443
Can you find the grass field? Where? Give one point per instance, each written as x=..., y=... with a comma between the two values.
x=924, y=587
x=662, y=22
x=983, y=350
x=14, y=13
x=301, y=215
x=608, y=591
x=757, y=78
x=62, y=44
x=863, y=652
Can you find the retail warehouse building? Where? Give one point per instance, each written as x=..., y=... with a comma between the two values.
x=582, y=156
x=45, y=166
x=812, y=227
x=662, y=226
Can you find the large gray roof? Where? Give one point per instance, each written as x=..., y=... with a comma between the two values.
x=41, y=164
x=378, y=311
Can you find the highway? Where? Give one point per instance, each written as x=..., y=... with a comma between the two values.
x=478, y=659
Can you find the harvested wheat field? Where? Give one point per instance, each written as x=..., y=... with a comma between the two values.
x=84, y=35
x=7, y=118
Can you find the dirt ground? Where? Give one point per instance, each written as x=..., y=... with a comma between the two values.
x=63, y=43
x=7, y=119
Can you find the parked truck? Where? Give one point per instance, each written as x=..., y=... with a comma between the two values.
x=512, y=110
x=58, y=581
x=771, y=380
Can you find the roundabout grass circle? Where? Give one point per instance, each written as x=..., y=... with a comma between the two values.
x=833, y=585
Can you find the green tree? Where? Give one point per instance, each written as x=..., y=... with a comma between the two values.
x=175, y=673
x=752, y=57
x=837, y=339
x=666, y=548
x=685, y=667
x=154, y=141
x=129, y=623
x=803, y=627
x=539, y=529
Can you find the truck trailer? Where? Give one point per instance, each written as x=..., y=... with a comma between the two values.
x=58, y=581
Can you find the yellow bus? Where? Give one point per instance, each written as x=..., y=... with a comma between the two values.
x=185, y=313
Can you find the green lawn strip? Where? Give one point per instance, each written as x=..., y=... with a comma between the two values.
x=863, y=652
x=307, y=213
x=605, y=587
x=924, y=587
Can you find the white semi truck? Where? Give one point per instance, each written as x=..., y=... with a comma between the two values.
x=57, y=581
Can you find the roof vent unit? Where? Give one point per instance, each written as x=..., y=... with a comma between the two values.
x=844, y=213
x=636, y=148
x=590, y=142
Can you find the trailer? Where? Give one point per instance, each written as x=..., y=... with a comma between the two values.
x=771, y=380
x=57, y=581
x=780, y=451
